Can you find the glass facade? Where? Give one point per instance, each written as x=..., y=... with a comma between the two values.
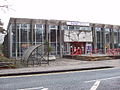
x=54, y=35
x=99, y=33
x=106, y=38
x=116, y=38
x=22, y=37
x=39, y=33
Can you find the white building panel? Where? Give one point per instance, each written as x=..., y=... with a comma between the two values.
x=77, y=35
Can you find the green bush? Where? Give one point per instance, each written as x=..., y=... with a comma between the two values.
x=4, y=59
x=10, y=63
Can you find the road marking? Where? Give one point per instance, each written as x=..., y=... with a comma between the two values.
x=35, y=88
x=102, y=79
x=44, y=89
x=95, y=86
x=31, y=75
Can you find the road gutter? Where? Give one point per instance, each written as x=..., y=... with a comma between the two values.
x=53, y=71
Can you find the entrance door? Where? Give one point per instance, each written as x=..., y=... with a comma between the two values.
x=77, y=48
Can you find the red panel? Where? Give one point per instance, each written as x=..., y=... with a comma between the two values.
x=77, y=48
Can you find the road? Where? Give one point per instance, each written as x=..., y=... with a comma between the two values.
x=105, y=79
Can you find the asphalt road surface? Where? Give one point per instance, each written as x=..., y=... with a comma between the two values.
x=105, y=79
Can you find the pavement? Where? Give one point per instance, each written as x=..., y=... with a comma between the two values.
x=61, y=65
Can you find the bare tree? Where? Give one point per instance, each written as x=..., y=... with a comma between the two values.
x=3, y=7
x=1, y=28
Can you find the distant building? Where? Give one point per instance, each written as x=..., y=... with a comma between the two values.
x=64, y=36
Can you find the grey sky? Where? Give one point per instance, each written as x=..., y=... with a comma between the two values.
x=96, y=11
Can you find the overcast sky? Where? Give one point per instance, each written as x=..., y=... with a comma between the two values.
x=96, y=11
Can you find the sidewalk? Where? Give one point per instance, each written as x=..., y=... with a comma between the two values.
x=62, y=65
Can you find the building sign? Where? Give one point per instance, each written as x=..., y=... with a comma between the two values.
x=77, y=23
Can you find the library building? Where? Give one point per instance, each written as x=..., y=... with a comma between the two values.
x=64, y=37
